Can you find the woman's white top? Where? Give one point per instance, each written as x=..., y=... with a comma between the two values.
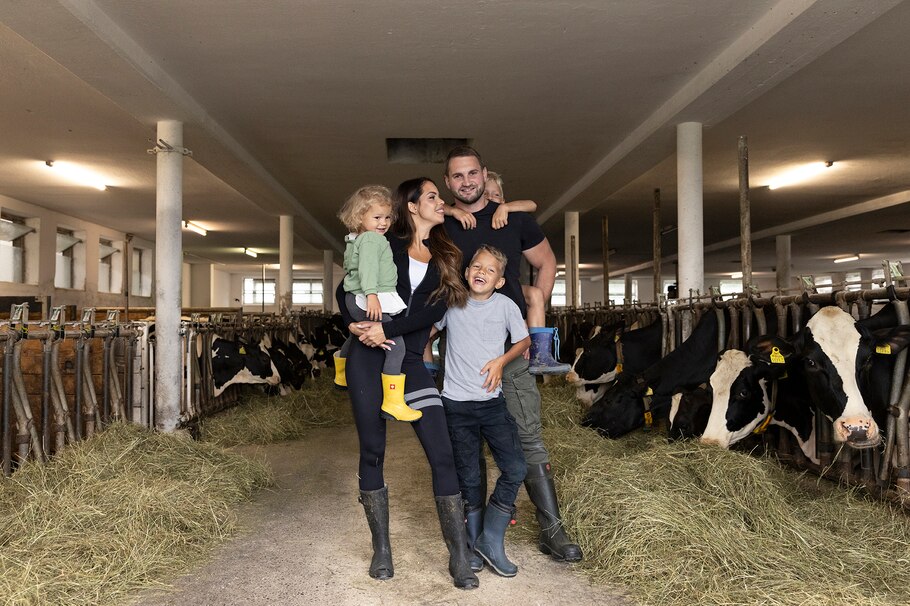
x=417, y=270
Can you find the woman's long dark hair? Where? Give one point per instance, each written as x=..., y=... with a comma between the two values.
x=446, y=256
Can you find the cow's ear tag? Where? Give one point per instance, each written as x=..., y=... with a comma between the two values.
x=615, y=338
x=649, y=419
x=242, y=350
x=650, y=392
x=776, y=356
x=883, y=349
x=618, y=368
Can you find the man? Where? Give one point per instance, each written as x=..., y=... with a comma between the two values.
x=465, y=176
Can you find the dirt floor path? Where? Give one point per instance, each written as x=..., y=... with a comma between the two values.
x=306, y=541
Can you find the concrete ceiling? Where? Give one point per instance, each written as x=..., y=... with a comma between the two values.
x=287, y=104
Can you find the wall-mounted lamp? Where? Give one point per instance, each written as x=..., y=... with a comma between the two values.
x=847, y=259
x=251, y=253
x=196, y=228
x=76, y=174
x=799, y=174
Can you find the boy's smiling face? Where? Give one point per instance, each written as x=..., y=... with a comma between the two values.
x=484, y=275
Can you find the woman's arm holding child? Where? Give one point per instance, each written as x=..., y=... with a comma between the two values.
x=493, y=368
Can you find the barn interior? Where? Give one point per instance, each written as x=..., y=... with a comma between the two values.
x=289, y=108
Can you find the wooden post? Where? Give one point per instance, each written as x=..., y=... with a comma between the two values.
x=745, y=216
x=655, y=230
x=605, y=233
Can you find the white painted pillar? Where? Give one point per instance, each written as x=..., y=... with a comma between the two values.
x=689, y=208
x=628, y=285
x=573, y=289
x=285, y=263
x=168, y=265
x=784, y=263
x=865, y=275
x=328, y=276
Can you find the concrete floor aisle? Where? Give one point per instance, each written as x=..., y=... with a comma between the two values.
x=306, y=541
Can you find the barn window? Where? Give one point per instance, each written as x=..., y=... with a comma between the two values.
x=558, y=296
x=70, y=259
x=141, y=283
x=618, y=291
x=257, y=291
x=307, y=292
x=110, y=265
x=18, y=242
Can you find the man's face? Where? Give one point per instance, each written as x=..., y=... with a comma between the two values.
x=465, y=178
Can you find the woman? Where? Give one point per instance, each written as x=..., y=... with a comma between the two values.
x=429, y=279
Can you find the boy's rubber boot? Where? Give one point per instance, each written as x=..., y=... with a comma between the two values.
x=451, y=520
x=544, y=341
x=376, y=506
x=474, y=525
x=491, y=542
x=553, y=539
x=393, y=404
x=341, y=379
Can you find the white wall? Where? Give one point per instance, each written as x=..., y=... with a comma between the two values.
x=41, y=259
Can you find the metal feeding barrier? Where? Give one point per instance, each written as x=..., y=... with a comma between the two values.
x=883, y=470
x=63, y=380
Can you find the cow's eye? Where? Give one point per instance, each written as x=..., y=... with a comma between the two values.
x=810, y=363
x=743, y=394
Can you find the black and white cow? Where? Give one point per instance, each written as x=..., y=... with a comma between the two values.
x=235, y=361
x=611, y=352
x=291, y=363
x=622, y=408
x=829, y=363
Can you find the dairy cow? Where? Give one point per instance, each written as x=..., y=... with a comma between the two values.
x=829, y=363
x=235, y=361
x=611, y=352
x=292, y=365
x=637, y=398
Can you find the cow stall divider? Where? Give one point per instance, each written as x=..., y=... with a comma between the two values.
x=883, y=471
x=63, y=380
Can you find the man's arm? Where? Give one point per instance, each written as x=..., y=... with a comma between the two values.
x=543, y=261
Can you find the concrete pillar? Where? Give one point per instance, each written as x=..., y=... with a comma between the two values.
x=286, y=263
x=628, y=285
x=328, y=274
x=168, y=264
x=837, y=280
x=689, y=208
x=784, y=264
x=865, y=275
x=573, y=290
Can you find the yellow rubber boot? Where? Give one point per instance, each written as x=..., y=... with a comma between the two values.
x=341, y=380
x=393, y=405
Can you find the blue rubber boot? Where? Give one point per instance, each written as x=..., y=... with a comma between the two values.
x=474, y=525
x=490, y=544
x=544, y=341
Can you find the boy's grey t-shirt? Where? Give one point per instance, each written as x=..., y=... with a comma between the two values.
x=476, y=334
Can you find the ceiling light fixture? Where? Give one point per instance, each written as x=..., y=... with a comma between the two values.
x=847, y=259
x=799, y=174
x=193, y=227
x=76, y=174
x=251, y=253
x=736, y=275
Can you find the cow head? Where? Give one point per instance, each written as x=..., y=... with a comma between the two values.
x=689, y=411
x=621, y=409
x=834, y=350
x=596, y=360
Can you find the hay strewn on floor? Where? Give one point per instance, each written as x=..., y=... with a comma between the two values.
x=682, y=523
x=115, y=513
x=266, y=419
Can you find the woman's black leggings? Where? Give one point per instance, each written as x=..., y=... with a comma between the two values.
x=363, y=370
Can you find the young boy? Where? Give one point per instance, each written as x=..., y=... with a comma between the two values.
x=475, y=407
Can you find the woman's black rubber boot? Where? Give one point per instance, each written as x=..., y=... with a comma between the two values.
x=376, y=506
x=451, y=519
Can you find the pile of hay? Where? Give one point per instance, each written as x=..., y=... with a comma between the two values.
x=682, y=523
x=266, y=419
x=115, y=513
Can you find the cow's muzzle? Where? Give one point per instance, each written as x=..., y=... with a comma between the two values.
x=858, y=432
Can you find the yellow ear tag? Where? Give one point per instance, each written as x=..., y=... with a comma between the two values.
x=650, y=392
x=776, y=356
x=618, y=368
x=242, y=350
x=883, y=349
x=615, y=338
x=649, y=419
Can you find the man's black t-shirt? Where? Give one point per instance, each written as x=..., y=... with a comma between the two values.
x=521, y=233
